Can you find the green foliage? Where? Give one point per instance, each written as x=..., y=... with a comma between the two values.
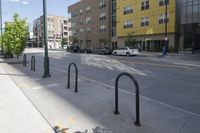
x=74, y=40
x=130, y=41
x=15, y=36
x=63, y=42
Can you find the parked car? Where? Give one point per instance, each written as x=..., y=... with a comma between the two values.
x=73, y=49
x=85, y=50
x=125, y=51
x=103, y=51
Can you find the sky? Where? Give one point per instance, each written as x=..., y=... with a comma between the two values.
x=32, y=9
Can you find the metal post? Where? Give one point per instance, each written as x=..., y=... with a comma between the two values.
x=2, y=53
x=46, y=58
x=76, y=78
x=33, y=63
x=76, y=84
x=116, y=98
x=68, y=83
x=24, y=60
x=137, y=99
x=166, y=18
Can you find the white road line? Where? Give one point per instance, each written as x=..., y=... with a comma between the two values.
x=130, y=93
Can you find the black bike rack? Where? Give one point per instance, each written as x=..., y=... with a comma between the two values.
x=137, y=122
x=24, y=60
x=76, y=77
x=33, y=63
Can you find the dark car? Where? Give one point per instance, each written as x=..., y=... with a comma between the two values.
x=73, y=49
x=103, y=51
x=86, y=50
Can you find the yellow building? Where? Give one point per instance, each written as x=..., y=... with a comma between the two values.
x=145, y=19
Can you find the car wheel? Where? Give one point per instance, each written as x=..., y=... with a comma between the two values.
x=115, y=53
x=127, y=54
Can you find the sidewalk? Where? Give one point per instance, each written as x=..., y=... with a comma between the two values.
x=185, y=55
x=91, y=109
x=17, y=113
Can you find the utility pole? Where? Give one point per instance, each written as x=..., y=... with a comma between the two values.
x=45, y=38
x=2, y=51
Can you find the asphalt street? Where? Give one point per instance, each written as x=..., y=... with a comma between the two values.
x=171, y=81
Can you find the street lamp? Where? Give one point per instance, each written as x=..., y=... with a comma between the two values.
x=2, y=51
x=46, y=58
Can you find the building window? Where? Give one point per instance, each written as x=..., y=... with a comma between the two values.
x=145, y=5
x=162, y=19
x=114, y=23
x=145, y=21
x=81, y=11
x=102, y=16
x=128, y=24
x=81, y=22
x=65, y=22
x=102, y=4
x=113, y=32
x=74, y=13
x=65, y=33
x=87, y=9
x=65, y=28
x=88, y=30
x=163, y=2
x=88, y=43
x=81, y=30
x=102, y=28
x=128, y=9
x=88, y=20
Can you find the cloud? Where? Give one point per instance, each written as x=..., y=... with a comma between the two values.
x=24, y=2
x=14, y=0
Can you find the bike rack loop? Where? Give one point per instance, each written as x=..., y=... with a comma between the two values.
x=76, y=77
x=24, y=60
x=33, y=63
x=137, y=122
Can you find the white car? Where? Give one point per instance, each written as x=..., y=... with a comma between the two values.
x=125, y=51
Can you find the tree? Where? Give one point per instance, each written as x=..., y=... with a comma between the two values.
x=130, y=41
x=6, y=39
x=74, y=41
x=62, y=43
x=15, y=36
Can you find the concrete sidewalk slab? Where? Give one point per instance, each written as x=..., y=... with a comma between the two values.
x=91, y=109
x=17, y=114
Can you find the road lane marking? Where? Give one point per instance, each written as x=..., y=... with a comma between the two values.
x=131, y=93
x=155, y=64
